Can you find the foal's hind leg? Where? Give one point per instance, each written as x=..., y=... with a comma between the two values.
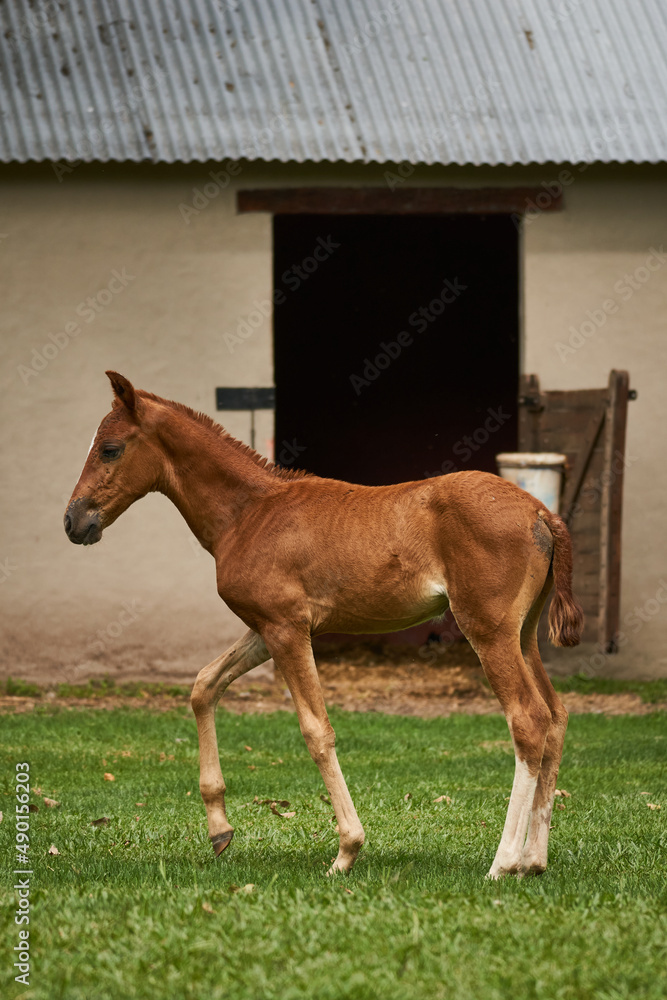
x=528, y=718
x=209, y=687
x=537, y=843
x=293, y=654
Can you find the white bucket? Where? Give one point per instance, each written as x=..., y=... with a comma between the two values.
x=537, y=472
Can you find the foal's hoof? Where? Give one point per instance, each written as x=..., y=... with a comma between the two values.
x=220, y=841
x=536, y=868
x=500, y=871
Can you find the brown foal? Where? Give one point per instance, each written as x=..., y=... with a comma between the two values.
x=297, y=555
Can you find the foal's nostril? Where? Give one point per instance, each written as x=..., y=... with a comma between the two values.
x=68, y=523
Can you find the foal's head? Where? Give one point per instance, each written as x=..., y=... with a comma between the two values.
x=122, y=466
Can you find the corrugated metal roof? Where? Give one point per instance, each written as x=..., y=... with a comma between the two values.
x=433, y=81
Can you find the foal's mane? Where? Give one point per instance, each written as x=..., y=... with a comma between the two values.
x=243, y=449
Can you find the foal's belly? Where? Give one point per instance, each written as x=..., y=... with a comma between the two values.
x=390, y=613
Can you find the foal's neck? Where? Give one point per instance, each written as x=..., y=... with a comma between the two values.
x=209, y=475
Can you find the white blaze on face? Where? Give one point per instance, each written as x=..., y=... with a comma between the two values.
x=92, y=443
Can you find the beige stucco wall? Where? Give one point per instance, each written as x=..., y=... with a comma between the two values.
x=596, y=298
x=146, y=595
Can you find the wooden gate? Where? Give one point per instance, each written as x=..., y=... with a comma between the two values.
x=587, y=425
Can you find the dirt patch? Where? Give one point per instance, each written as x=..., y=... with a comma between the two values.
x=397, y=688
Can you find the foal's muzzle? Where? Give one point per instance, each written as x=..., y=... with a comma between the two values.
x=82, y=525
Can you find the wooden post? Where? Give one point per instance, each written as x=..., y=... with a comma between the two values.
x=610, y=514
x=530, y=408
x=587, y=425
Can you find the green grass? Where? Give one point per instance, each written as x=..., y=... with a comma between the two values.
x=98, y=687
x=20, y=688
x=119, y=913
x=104, y=687
x=649, y=691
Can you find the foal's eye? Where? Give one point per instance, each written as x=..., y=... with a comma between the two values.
x=111, y=451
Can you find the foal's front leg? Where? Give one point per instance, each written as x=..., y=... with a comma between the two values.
x=293, y=654
x=209, y=687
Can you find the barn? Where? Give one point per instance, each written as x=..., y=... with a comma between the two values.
x=380, y=242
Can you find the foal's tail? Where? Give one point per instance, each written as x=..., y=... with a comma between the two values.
x=566, y=618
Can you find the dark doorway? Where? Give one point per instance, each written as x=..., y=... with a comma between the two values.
x=396, y=343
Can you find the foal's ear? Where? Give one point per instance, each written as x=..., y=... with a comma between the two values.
x=123, y=390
